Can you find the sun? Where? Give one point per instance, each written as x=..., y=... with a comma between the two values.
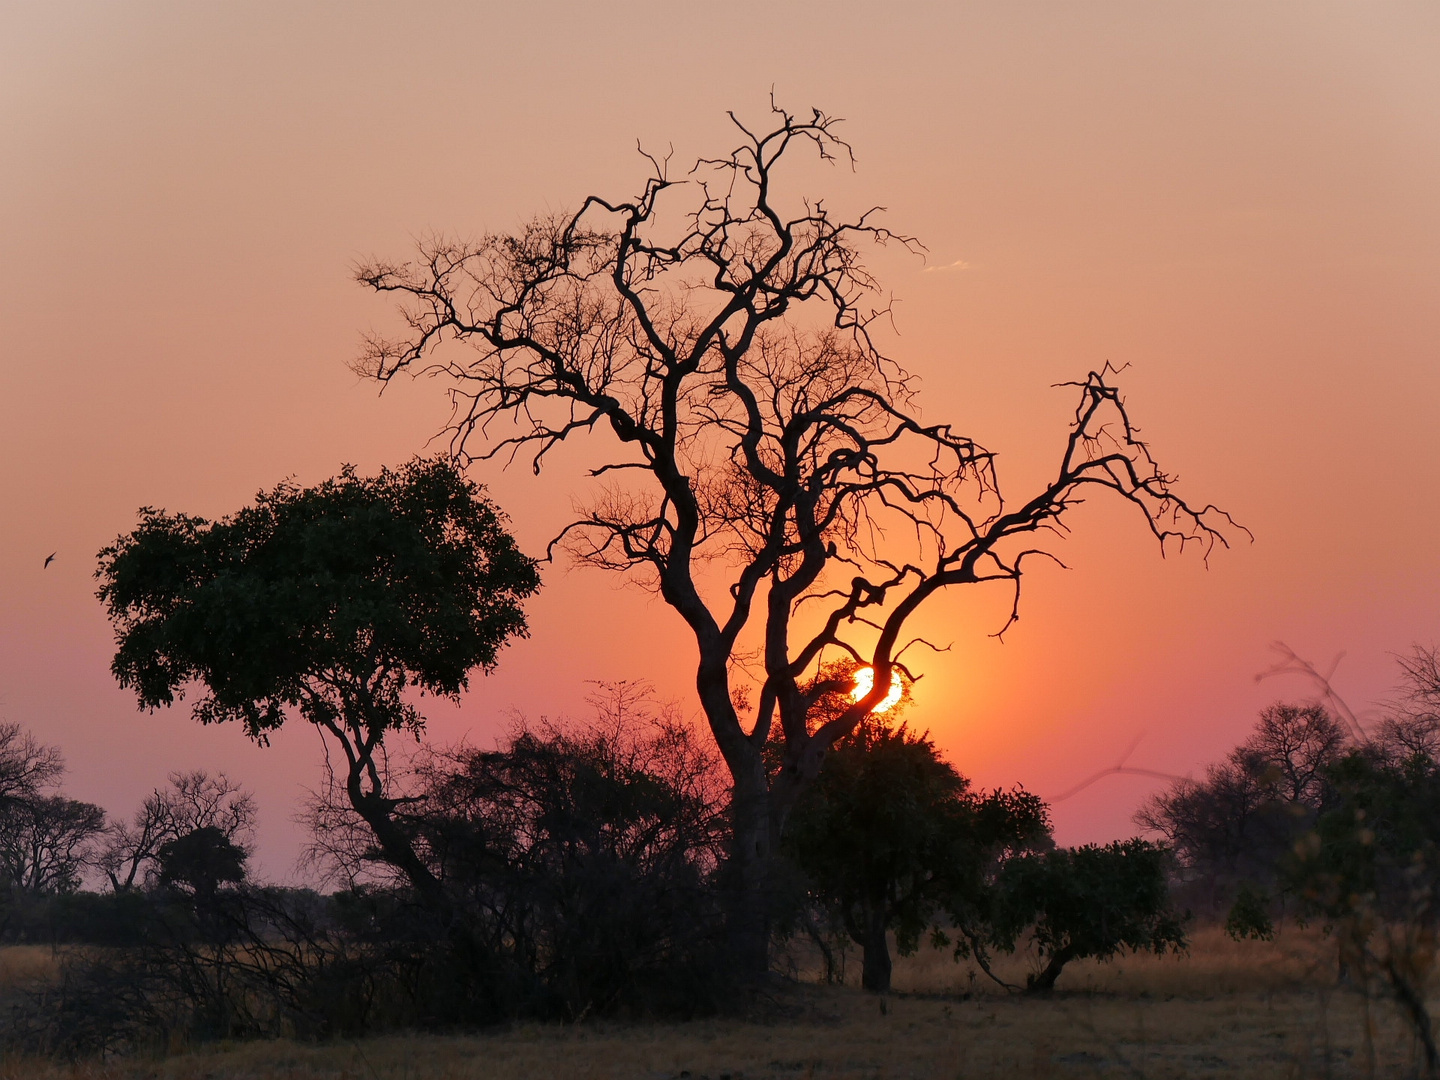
x=865, y=679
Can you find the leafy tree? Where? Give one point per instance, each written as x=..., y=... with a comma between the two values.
x=890, y=834
x=200, y=861
x=1085, y=902
x=762, y=455
x=329, y=603
x=1230, y=830
x=192, y=800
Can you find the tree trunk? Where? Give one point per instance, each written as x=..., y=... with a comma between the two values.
x=748, y=918
x=876, y=973
x=1044, y=982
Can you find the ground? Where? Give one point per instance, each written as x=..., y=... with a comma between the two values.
x=1226, y=1009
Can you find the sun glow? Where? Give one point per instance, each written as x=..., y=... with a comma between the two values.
x=865, y=679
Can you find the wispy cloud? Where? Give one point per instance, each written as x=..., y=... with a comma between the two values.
x=958, y=264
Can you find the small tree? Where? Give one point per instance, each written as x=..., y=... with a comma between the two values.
x=1088, y=901
x=890, y=834
x=200, y=861
x=192, y=800
x=331, y=602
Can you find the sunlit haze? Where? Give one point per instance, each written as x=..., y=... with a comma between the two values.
x=1236, y=203
x=865, y=681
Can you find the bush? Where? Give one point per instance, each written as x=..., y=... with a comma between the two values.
x=578, y=865
x=1087, y=902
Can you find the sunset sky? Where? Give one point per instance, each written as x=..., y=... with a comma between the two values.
x=1241, y=201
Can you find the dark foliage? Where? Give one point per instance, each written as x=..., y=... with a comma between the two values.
x=890, y=835
x=1370, y=869
x=1230, y=831
x=248, y=963
x=199, y=862
x=403, y=579
x=578, y=865
x=190, y=801
x=329, y=601
x=46, y=839
x=1088, y=901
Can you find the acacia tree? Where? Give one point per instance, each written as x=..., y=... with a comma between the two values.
x=192, y=801
x=330, y=602
x=770, y=457
x=46, y=842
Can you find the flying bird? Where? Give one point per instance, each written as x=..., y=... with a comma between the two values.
x=49, y=559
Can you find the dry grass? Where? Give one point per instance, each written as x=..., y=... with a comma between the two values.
x=1214, y=965
x=1253, y=1010
x=25, y=965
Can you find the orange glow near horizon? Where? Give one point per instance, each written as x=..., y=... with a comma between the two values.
x=865, y=679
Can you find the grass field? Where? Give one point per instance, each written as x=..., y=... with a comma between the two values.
x=1251, y=1010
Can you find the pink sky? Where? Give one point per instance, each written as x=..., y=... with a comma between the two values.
x=1239, y=200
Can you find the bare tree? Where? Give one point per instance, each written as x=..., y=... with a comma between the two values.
x=26, y=767
x=1412, y=726
x=767, y=470
x=46, y=839
x=46, y=842
x=192, y=801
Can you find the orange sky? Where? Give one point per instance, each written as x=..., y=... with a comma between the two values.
x=1239, y=200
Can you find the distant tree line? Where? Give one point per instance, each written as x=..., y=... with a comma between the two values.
x=583, y=871
x=1321, y=820
x=196, y=832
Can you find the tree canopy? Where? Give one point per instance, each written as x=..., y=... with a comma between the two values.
x=46, y=838
x=890, y=834
x=331, y=601
x=1090, y=901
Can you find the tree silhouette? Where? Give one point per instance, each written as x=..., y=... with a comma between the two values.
x=1089, y=901
x=1231, y=830
x=192, y=800
x=46, y=842
x=765, y=469
x=201, y=861
x=890, y=834
x=46, y=839
x=26, y=767
x=330, y=602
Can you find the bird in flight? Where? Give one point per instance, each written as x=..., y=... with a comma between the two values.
x=49, y=559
